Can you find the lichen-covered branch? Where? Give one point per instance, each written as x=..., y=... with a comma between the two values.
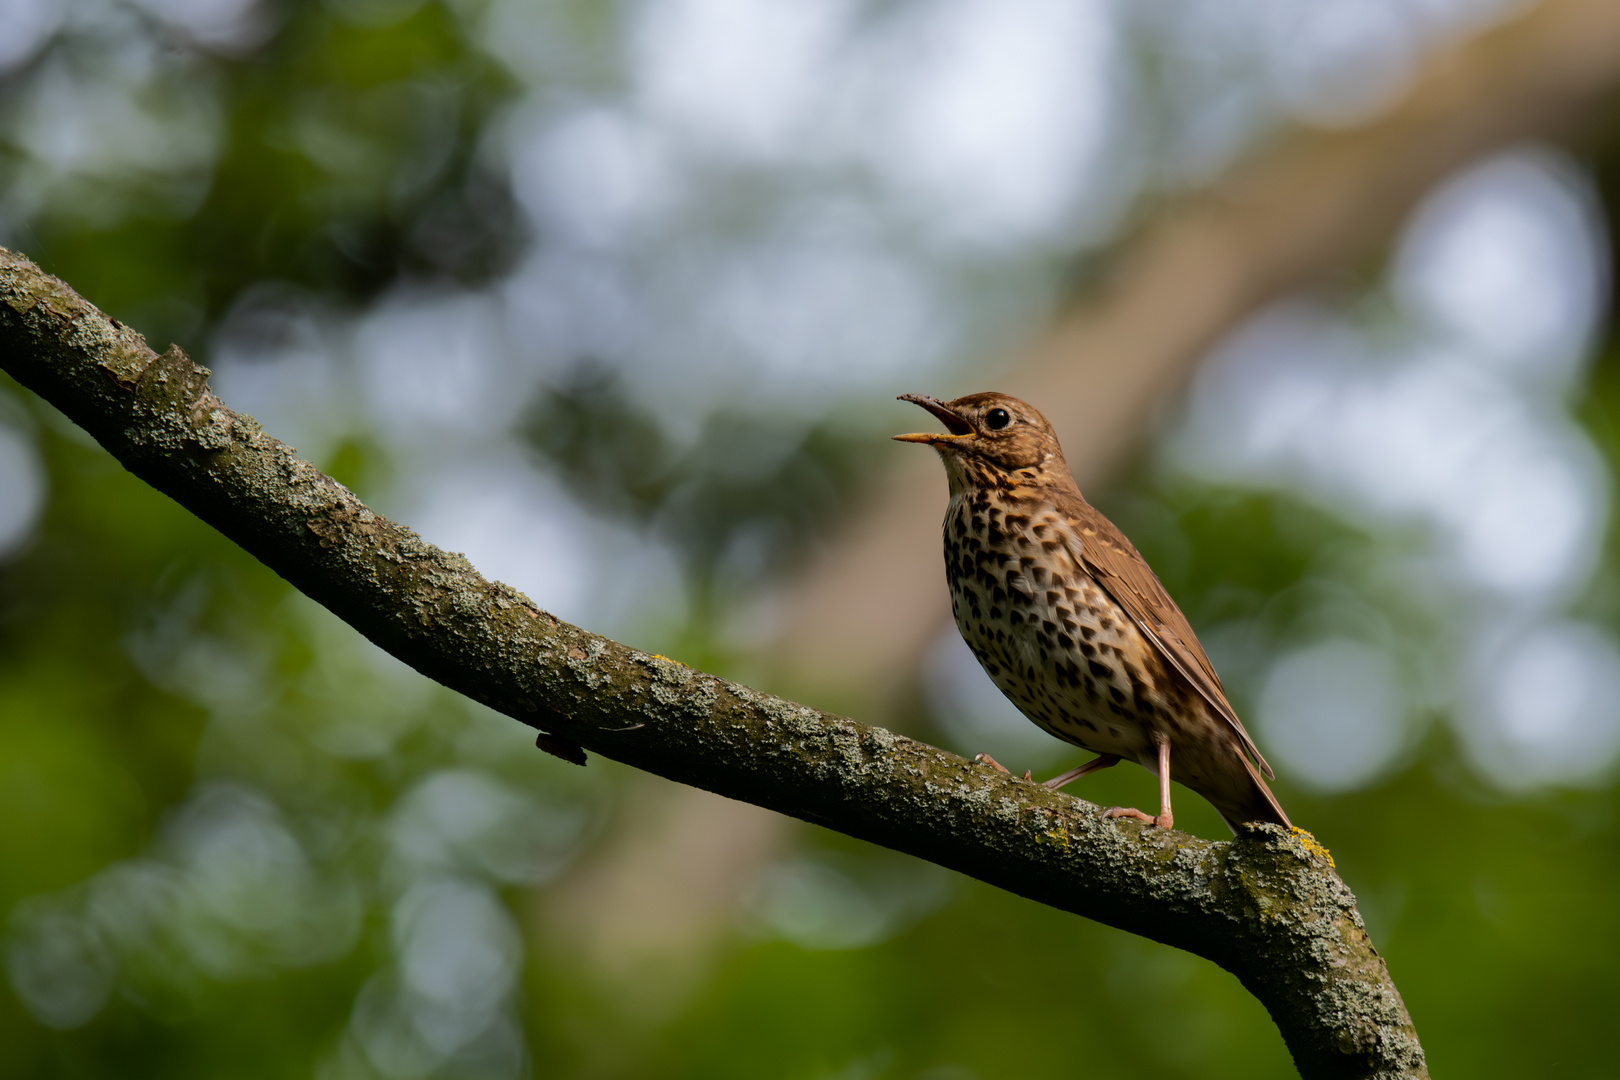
x=1266, y=906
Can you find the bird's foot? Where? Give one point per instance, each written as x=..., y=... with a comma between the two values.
x=1163, y=821
x=986, y=759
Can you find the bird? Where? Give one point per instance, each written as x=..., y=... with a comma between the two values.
x=1071, y=623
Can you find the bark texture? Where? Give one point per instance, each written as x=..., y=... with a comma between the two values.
x=1266, y=906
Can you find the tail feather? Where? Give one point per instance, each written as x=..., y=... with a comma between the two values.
x=1263, y=806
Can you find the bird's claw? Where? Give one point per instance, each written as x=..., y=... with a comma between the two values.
x=986, y=759
x=1164, y=821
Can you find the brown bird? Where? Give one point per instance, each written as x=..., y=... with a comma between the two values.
x=1071, y=623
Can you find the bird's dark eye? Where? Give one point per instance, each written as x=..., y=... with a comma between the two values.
x=996, y=419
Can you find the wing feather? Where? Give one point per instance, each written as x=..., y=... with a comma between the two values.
x=1116, y=566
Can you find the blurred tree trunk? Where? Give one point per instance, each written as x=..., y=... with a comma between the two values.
x=1268, y=906
x=1309, y=207
x=1304, y=209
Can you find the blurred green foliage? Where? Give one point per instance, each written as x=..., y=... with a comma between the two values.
x=1483, y=905
x=752, y=490
x=338, y=155
x=225, y=820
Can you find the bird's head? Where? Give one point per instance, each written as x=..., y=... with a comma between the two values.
x=992, y=438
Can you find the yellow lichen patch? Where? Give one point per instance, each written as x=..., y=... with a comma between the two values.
x=1314, y=846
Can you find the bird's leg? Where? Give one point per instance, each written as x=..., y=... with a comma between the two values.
x=1104, y=761
x=996, y=765
x=1165, y=820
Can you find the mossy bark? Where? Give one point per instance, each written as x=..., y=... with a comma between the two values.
x=1267, y=906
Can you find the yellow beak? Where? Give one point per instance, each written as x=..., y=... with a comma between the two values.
x=927, y=437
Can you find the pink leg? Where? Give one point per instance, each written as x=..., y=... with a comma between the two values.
x=1105, y=761
x=1166, y=819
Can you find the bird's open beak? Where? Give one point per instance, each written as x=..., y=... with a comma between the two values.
x=959, y=428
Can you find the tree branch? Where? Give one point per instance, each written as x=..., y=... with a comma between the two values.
x=1267, y=906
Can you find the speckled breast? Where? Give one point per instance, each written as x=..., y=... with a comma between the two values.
x=1047, y=635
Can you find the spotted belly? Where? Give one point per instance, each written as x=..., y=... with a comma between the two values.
x=1070, y=671
x=1055, y=643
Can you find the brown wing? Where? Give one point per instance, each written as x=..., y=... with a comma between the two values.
x=1117, y=566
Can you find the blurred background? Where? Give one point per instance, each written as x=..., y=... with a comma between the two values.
x=615, y=298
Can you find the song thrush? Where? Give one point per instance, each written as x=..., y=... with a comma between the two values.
x=1071, y=623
